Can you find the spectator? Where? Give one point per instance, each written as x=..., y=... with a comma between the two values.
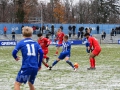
x=43, y=28
x=34, y=29
x=104, y=33
x=70, y=31
x=52, y=30
x=21, y=28
x=97, y=29
x=114, y=32
x=5, y=31
x=74, y=27
x=61, y=28
x=82, y=34
x=47, y=30
x=78, y=34
x=13, y=35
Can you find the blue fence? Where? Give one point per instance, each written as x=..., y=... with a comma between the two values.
x=102, y=27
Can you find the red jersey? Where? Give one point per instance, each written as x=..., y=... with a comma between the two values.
x=60, y=36
x=44, y=42
x=93, y=42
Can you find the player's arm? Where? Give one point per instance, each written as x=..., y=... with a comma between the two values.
x=90, y=44
x=48, y=42
x=40, y=57
x=15, y=51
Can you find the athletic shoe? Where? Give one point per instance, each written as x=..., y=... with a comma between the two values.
x=55, y=54
x=91, y=68
x=47, y=59
x=50, y=68
x=75, y=69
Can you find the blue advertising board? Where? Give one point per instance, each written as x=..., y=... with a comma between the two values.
x=73, y=42
x=8, y=43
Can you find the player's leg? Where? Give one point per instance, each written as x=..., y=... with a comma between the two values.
x=17, y=86
x=58, y=47
x=57, y=50
x=92, y=61
x=45, y=63
x=93, y=54
x=69, y=62
x=61, y=56
x=32, y=77
x=31, y=86
x=22, y=77
x=45, y=55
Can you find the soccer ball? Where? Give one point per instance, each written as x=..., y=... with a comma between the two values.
x=76, y=65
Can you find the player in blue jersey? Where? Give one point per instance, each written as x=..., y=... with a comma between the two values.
x=31, y=63
x=65, y=54
x=87, y=44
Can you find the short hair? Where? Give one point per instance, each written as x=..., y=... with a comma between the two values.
x=66, y=37
x=59, y=29
x=27, y=31
x=87, y=34
x=40, y=34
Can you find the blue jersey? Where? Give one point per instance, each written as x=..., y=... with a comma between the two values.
x=66, y=47
x=29, y=50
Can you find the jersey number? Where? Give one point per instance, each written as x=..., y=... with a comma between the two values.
x=31, y=50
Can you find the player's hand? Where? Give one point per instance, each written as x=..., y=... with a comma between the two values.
x=18, y=58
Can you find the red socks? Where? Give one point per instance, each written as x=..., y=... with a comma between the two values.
x=92, y=62
x=56, y=52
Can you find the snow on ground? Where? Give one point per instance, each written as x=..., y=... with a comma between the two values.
x=62, y=77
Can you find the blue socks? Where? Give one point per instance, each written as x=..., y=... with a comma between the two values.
x=54, y=63
x=70, y=63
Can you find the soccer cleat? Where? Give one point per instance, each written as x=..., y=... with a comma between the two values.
x=50, y=68
x=47, y=59
x=91, y=68
x=75, y=69
x=55, y=54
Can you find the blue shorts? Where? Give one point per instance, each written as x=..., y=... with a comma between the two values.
x=27, y=74
x=63, y=55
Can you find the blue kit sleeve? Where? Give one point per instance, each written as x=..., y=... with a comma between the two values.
x=40, y=58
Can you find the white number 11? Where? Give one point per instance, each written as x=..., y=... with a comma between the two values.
x=31, y=52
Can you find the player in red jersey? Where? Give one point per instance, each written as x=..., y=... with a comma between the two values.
x=44, y=43
x=96, y=49
x=59, y=37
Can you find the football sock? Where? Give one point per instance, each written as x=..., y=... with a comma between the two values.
x=45, y=64
x=92, y=62
x=45, y=56
x=70, y=63
x=56, y=52
x=54, y=63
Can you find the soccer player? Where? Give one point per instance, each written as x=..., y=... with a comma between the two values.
x=44, y=42
x=30, y=63
x=86, y=41
x=59, y=37
x=94, y=44
x=65, y=54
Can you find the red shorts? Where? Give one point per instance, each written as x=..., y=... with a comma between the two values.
x=45, y=51
x=96, y=51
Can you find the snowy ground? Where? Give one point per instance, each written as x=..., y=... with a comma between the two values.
x=62, y=77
